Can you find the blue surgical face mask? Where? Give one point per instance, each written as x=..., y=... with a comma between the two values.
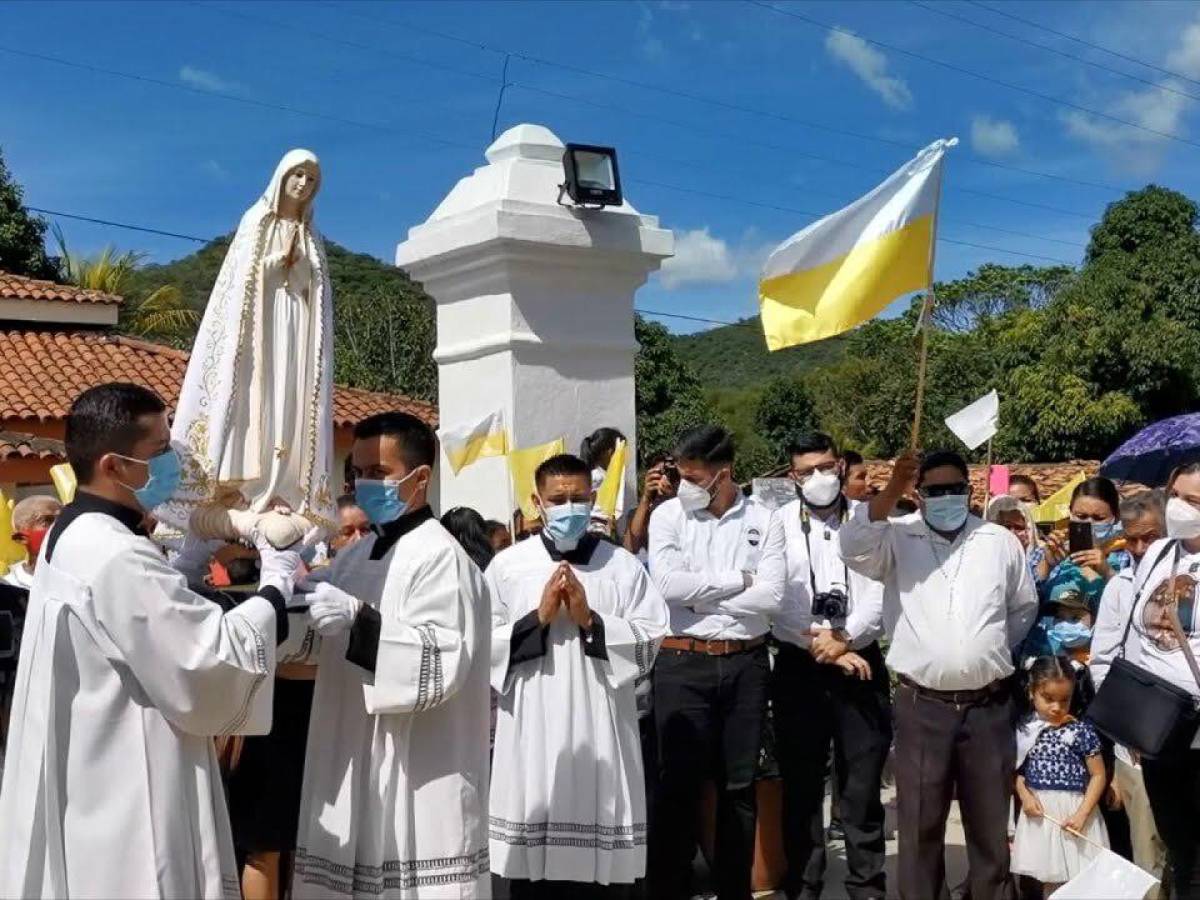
x=381, y=500
x=566, y=523
x=165, y=474
x=946, y=513
x=1068, y=634
x=1103, y=532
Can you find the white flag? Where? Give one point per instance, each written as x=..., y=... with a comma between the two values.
x=976, y=424
x=1109, y=876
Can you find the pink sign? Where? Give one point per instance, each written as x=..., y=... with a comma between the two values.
x=998, y=480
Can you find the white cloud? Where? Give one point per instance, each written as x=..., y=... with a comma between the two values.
x=1135, y=150
x=869, y=65
x=217, y=171
x=993, y=137
x=1132, y=149
x=206, y=81
x=699, y=258
x=649, y=45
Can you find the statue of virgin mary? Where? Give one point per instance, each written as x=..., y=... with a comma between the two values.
x=254, y=424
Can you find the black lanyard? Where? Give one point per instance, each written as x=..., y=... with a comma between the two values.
x=805, y=528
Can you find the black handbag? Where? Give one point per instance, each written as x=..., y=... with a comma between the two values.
x=1138, y=709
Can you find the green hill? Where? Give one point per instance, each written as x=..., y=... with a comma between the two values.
x=383, y=326
x=736, y=356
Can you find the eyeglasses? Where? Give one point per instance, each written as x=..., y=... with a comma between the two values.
x=801, y=474
x=944, y=490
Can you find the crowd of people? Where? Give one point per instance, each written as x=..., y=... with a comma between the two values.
x=575, y=706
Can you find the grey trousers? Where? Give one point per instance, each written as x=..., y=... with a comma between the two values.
x=946, y=750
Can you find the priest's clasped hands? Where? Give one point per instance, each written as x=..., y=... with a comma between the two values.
x=564, y=591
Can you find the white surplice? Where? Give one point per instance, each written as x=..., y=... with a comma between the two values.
x=396, y=772
x=568, y=797
x=111, y=787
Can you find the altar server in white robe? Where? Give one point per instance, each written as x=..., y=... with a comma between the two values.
x=575, y=621
x=396, y=771
x=112, y=787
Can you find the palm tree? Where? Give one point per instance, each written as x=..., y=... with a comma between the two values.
x=160, y=315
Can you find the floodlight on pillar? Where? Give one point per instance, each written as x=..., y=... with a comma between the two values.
x=592, y=178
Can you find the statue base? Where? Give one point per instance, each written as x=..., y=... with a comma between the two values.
x=280, y=529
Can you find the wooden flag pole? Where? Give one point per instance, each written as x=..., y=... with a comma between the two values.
x=922, y=362
x=987, y=480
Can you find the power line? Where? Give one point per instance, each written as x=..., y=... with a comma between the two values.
x=979, y=75
x=1020, y=40
x=190, y=237
x=62, y=215
x=1079, y=40
x=675, y=92
x=446, y=142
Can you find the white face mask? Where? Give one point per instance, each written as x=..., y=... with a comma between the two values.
x=693, y=497
x=821, y=489
x=1183, y=520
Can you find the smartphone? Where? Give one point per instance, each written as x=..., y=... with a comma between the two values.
x=1079, y=536
x=1045, y=529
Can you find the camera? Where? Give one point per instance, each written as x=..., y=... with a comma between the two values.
x=831, y=604
x=671, y=471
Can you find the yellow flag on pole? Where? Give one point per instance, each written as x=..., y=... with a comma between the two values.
x=847, y=267
x=614, y=479
x=522, y=464
x=63, y=478
x=465, y=444
x=1057, y=506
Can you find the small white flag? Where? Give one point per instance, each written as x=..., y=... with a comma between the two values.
x=1109, y=876
x=976, y=424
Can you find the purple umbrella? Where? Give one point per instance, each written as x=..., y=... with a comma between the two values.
x=1151, y=454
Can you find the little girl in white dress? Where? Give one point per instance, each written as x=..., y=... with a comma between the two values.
x=1060, y=780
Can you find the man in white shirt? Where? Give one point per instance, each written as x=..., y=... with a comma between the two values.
x=394, y=803
x=575, y=621
x=829, y=684
x=1143, y=523
x=717, y=557
x=958, y=598
x=112, y=787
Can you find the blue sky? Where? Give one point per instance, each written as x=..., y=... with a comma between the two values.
x=398, y=100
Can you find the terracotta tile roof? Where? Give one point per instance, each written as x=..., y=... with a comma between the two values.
x=16, y=444
x=1049, y=477
x=42, y=372
x=16, y=287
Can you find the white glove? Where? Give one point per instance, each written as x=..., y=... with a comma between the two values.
x=331, y=610
x=193, y=558
x=281, y=569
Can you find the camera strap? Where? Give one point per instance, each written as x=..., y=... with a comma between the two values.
x=806, y=529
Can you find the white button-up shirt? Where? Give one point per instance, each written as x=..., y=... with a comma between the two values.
x=697, y=562
x=864, y=623
x=954, y=610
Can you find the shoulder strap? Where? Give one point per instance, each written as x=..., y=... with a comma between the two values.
x=1168, y=546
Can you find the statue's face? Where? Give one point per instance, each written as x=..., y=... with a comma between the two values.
x=300, y=183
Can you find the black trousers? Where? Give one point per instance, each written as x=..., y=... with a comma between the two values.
x=1173, y=786
x=944, y=749
x=812, y=705
x=709, y=714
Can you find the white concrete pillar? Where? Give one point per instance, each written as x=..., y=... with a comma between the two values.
x=534, y=307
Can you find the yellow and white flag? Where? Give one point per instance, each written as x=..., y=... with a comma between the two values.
x=522, y=466
x=63, y=477
x=467, y=443
x=609, y=496
x=842, y=270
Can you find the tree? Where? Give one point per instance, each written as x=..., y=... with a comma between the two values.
x=159, y=315
x=667, y=392
x=1142, y=219
x=22, y=236
x=383, y=341
x=784, y=411
x=994, y=290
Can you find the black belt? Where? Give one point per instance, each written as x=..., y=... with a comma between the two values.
x=959, y=698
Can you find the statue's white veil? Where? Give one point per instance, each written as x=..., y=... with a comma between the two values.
x=224, y=389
